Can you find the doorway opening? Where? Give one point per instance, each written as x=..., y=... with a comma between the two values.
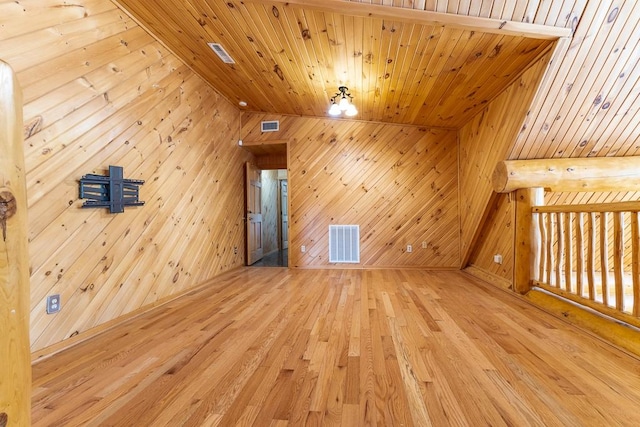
x=271, y=208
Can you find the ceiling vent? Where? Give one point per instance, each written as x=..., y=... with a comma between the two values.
x=219, y=50
x=270, y=126
x=344, y=243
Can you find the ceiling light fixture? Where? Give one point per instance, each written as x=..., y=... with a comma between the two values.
x=341, y=103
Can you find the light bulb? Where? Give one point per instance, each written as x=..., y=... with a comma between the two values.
x=334, y=110
x=344, y=103
x=351, y=110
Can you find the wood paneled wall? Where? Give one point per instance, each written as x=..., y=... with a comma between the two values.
x=100, y=91
x=270, y=211
x=399, y=183
x=496, y=238
x=484, y=141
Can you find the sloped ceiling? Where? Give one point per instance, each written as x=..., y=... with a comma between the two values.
x=589, y=104
x=290, y=57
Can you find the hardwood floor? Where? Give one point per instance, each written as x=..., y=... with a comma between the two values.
x=271, y=346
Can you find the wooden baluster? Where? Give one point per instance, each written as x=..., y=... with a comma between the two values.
x=579, y=252
x=618, y=257
x=568, y=259
x=543, y=247
x=604, y=257
x=560, y=249
x=635, y=262
x=537, y=199
x=591, y=255
x=550, y=261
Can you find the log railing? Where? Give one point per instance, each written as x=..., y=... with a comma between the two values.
x=579, y=253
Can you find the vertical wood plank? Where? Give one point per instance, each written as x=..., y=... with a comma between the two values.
x=618, y=257
x=579, y=252
x=591, y=255
x=15, y=360
x=604, y=257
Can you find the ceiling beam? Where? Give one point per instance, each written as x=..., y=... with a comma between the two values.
x=424, y=17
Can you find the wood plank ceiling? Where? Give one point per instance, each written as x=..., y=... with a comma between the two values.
x=291, y=58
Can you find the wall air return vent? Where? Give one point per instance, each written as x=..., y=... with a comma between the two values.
x=219, y=50
x=270, y=126
x=344, y=243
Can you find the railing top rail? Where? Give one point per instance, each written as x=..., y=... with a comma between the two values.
x=595, y=207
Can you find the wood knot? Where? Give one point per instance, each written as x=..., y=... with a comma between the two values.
x=7, y=205
x=8, y=208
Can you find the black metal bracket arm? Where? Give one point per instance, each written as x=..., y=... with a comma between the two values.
x=112, y=191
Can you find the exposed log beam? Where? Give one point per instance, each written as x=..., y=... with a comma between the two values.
x=424, y=17
x=15, y=359
x=578, y=174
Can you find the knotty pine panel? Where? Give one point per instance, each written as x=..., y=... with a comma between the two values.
x=290, y=58
x=270, y=211
x=104, y=92
x=591, y=107
x=399, y=183
x=484, y=141
x=557, y=13
x=496, y=237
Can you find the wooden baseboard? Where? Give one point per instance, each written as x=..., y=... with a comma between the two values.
x=56, y=348
x=488, y=277
x=372, y=267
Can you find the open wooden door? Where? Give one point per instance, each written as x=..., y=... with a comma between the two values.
x=254, y=214
x=284, y=209
x=15, y=354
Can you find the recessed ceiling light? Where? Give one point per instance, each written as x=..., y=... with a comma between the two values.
x=242, y=104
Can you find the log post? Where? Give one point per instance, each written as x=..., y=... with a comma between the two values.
x=527, y=239
x=15, y=355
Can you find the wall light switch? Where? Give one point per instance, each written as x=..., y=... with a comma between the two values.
x=497, y=258
x=303, y=249
x=53, y=304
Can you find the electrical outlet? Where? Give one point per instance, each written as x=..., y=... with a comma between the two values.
x=235, y=250
x=497, y=258
x=53, y=304
x=303, y=249
x=424, y=245
x=409, y=248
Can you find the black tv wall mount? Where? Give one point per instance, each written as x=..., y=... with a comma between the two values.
x=112, y=191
